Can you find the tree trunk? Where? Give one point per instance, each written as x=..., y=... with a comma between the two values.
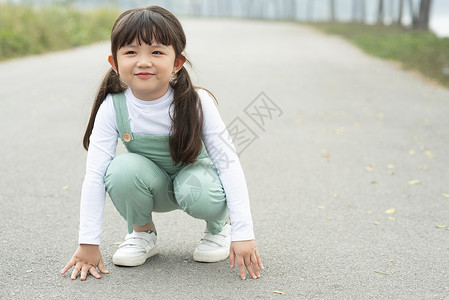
x=310, y=10
x=424, y=15
x=362, y=11
x=400, y=12
x=412, y=13
x=332, y=10
x=355, y=10
x=380, y=12
x=292, y=10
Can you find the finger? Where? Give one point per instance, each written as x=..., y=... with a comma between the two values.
x=255, y=265
x=259, y=261
x=241, y=266
x=94, y=272
x=102, y=268
x=249, y=267
x=84, y=271
x=232, y=259
x=74, y=273
x=67, y=267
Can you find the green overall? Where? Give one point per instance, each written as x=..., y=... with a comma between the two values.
x=145, y=179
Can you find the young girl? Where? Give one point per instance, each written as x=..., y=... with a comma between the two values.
x=174, y=137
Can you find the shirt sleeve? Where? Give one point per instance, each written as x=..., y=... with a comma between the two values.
x=224, y=156
x=102, y=148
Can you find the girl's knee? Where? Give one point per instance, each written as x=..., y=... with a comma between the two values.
x=198, y=194
x=123, y=166
x=130, y=169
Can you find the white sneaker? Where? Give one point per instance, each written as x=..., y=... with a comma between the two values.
x=214, y=248
x=137, y=248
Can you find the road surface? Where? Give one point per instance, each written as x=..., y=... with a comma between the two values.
x=345, y=155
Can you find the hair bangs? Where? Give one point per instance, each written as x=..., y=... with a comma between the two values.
x=144, y=27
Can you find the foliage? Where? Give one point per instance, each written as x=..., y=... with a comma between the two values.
x=416, y=50
x=25, y=30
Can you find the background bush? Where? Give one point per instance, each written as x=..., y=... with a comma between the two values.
x=417, y=50
x=26, y=30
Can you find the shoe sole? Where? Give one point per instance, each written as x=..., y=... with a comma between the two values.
x=208, y=257
x=134, y=261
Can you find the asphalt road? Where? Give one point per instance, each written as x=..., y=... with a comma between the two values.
x=345, y=155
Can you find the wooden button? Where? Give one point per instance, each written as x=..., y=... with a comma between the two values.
x=127, y=137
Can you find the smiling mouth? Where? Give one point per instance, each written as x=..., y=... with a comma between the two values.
x=144, y=75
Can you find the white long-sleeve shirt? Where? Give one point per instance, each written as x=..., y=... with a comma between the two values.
x=152, y=118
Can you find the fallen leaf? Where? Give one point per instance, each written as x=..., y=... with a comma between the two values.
x=423, y=167
x=390, y=211
x=390, y=173
x=429, y=154
x=65, y=187
x=28, y=271
x=336, y=195
x=373, y=182
x=339, y=130
x=369, y=212
x=329, y=218
x=392, y=219
x=441, y=226
x=414, y=181
x=390, y=166
x=379, y=272
x=278, y=292
x=445, y=195
x=369, y=169
x=411, y=152
x=376, y=223
x=321, y=206
x=117, y=243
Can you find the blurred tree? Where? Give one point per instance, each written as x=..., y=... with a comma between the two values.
x=332, y=10
x=309, y=10
x=412, y=12
x=292, y=9
x=424, y=15
x=196, y=7
x=400, y=12
x=358, y=11
x=421, y=15
x=380, y=12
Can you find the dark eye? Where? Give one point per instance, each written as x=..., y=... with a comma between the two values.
x=157, y=52
x=130, y=52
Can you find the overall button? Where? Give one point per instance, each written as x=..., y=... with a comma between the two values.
x=127, y=137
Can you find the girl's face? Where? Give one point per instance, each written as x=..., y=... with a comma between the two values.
x=146, y=69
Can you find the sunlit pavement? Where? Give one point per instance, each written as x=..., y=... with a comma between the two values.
x=345, y=157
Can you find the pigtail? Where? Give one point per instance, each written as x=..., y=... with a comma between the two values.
x=187, y=121
x=111, y=84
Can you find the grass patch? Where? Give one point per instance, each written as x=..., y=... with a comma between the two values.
x=416, y=50
x=26, y=30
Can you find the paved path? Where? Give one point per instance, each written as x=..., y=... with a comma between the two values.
x=349, y=138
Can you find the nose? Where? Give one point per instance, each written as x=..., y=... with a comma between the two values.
x=144, y=62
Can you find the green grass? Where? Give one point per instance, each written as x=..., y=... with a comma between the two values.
x=416, y=50
x=25, y=31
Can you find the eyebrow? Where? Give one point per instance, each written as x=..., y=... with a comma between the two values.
x=152, y=45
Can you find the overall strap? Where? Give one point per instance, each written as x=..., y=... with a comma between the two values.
x=122, y=116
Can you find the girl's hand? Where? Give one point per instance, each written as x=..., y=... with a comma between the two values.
x=247, y=256
x=86, y=260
